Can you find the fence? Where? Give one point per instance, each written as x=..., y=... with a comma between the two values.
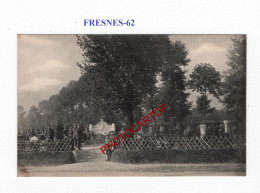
x=45, y=146
x=183, y=143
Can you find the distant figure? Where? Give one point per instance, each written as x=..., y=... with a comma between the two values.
x=178, y=129
x=187, y=130
x=50, y=133
x=161, y=131
x=87, y=134
x=108, y=152
x=38, y=132
x=33, y=133
x=79, y=136
x=59, y=131
x=221, y=129
x=74, y=135
x=121, y=131
x=70, y=133
x=150, y=131
x=66, y=133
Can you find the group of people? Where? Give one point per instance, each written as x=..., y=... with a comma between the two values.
x=76, y=133
x=29, y=133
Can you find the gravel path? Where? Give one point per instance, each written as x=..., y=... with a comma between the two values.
x=92, y=163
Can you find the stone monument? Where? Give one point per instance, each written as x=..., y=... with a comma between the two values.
x=102, y=128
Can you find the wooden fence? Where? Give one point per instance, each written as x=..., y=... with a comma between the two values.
x=45, y=146
x=183, y=143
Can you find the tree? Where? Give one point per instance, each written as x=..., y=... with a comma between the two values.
x=203, y=105
x=173, y=87
x=205, y=80
x=59, y=131
x=123, y=68
x=34, y=118
x=21, y=118
x=234, y=88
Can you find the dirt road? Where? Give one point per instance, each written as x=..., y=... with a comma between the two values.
x=91, y=162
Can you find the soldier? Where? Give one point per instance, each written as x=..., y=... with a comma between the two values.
x=88, y=133
x=79, y=136
x=70, y=134
x=50, y=133
x=108, y=151
x=66, y=132
x=74, y=135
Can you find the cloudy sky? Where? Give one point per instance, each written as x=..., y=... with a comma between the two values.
x=46, y=63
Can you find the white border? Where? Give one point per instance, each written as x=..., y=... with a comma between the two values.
x=157, y=17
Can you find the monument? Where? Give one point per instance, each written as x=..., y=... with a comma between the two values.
x=102, y=128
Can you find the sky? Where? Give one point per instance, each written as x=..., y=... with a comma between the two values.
x=46, y=63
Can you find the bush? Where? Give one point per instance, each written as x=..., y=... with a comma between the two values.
x=180, y=156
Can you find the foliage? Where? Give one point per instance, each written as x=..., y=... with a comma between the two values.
x=205, y=80
x=203, y=105
x=173, y=88
x=21, y=118
x=123, y=68
x=119, y=83
x=235, y=81
x=196, y=118
x=59, y=130
x=34, y=118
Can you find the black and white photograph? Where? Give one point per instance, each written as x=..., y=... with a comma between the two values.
x=113, y=105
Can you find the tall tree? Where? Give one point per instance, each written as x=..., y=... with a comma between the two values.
x=205, y=80
x=173, y=87
x=34, y=118
x=21, y=118
x=203, y=105
x=123, y=68
x=235, y=81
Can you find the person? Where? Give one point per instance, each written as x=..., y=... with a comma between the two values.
x=150, y=130
x=38, y=132
x=66, y=133
x=33, y=133
x=108, y=151
x=221, y=129
x=50, y=133
x=42, y=135
x=79, y=136
x=70, y=134
x=161, y=131
x=74, y=135
x=87, y=133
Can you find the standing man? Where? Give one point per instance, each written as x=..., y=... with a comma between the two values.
x=79, y=136
x=66, y=132
x=108, y=152
x=71, y=138
x=50, y=133
x=74, y=135
x=87, y=133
